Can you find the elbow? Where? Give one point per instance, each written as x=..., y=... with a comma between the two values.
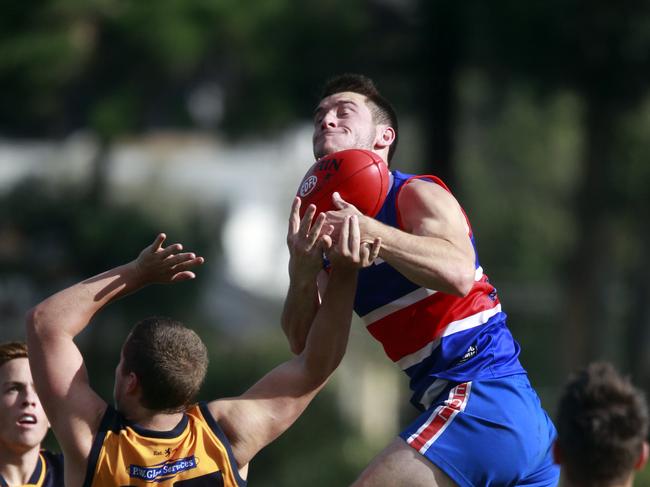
x=318, y=378
x=32, y=318
x=35, y=322
x=296, y=346
x=296, y=342
x=319, y=371
x=463, y=282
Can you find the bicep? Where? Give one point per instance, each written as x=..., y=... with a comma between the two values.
x=266, y=410
x=73, y=408
x=428, y=210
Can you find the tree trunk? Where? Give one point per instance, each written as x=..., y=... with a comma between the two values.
x=440, y=45
x=587, y=280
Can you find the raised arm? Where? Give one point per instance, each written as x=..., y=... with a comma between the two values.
x=266, y=410
x=307, y=280
x=433, y=249
x=60, y=376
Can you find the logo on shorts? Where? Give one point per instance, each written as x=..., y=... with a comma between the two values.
x=308, y=185
x=471, y=352
x=162, y=471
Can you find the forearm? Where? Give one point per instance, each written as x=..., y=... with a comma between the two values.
x=431, y=262
x=69, y=311
x=328, y=337
x=300, y=307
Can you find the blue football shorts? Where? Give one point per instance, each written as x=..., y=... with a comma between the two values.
x=488, y=433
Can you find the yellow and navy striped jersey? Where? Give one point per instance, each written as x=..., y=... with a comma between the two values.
x=196, y=453
x=48, y=471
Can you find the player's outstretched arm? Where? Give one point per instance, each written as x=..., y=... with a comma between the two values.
x=307, y=280
x=60, y=376
x=433, y=249
x=254, y=419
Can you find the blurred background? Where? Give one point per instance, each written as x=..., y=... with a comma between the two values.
x=120, y=119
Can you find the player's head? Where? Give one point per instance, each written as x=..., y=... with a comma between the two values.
x=602, y=425
x=163, y=364
x=23, y=423
x=352, y=114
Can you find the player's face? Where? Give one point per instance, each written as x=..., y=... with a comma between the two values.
x=23, y=424
x=343, y=121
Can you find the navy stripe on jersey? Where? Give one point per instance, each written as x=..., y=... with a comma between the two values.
x=110, y=422
x=172, y=433
x=216, y=429
x=382, y=285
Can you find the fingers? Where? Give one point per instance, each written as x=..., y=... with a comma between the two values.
x=354, y=236
x=374, y=250
x=339, y=203
x=325, y=243
x=307, y=218
x=315, y=230
x=350, y=250
x=294, y=216
x=304, y=235
x=344, y=237
x=158, y=264
x=170, y=250
x=369, y=252
x=350, y=237
x=177, y=259
x=187, y=264
x=183, y=276
x=158, y=241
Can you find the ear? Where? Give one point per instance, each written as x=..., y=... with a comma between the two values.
x=643, y=456
x=385, y=136
x=557, y=453
x=132, y=383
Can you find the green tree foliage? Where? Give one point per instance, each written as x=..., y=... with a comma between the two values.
x=536, y=112
x=601, y=52
x=126, y=66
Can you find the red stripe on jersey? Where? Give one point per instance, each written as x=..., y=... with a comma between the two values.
x=409, y=329
x=441, y=417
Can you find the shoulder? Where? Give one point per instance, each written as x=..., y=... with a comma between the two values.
x=215, y=415
x=425, y=195
x=426, y=200
x=424, y=184
x=204, y=412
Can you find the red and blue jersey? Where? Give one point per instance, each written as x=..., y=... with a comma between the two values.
x=434, y=337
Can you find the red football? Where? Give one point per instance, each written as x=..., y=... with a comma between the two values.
x=360, y=176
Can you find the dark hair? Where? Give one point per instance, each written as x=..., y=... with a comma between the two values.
x=602, y=422
x=381, y=109
x=12, y=350
x=170, y=361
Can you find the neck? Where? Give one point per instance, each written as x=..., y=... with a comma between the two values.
x=161, y=422
x=152, y=420
x=17, y=467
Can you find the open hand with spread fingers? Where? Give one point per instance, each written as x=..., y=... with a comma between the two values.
x=307, y=239
x=158, y=264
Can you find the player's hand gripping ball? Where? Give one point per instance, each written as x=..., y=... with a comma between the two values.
x=360, y=177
